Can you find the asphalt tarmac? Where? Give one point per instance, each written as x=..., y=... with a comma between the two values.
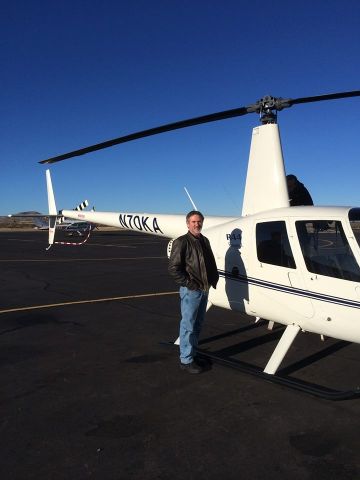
x=89, y=388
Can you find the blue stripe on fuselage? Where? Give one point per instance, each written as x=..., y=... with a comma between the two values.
x=290, y=290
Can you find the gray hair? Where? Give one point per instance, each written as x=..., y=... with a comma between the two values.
x=194, y=212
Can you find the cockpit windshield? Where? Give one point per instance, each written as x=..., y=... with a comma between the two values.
x=354, y=219
x=326, y=249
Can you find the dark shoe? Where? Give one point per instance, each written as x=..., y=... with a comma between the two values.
x=191, y=367
x=202, y=362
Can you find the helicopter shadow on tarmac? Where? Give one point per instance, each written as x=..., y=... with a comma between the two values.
x=229, y=355
x=230, y=351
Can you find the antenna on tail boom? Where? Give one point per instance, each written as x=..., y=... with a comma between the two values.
x=191, y=200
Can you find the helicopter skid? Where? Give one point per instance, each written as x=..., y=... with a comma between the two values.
x=286, y=381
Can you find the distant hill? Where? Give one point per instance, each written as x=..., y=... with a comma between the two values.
x=31, y=212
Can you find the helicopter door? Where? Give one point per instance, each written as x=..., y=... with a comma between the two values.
x=275, y=281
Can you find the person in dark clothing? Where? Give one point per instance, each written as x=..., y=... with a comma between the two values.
x=298, y=193
x=193, y=267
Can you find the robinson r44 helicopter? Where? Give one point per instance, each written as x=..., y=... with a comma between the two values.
x=297, y=266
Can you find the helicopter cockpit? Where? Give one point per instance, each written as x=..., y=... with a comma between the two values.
x=325, y=244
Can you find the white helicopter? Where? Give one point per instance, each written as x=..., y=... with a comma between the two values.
x=297, y=266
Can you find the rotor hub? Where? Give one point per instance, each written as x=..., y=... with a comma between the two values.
x=267, y=107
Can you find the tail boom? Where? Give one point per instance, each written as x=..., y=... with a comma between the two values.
x=170, y=226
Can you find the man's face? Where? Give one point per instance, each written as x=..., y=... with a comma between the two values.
x=194, y=224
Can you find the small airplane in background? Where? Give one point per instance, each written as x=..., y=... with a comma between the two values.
x=71, y=227
x=31, y=219
x=296, y=266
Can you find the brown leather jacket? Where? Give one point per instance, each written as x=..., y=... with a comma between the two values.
x=192, y=263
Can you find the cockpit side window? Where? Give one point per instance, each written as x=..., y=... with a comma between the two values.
x=273, y=245
x=326, y=249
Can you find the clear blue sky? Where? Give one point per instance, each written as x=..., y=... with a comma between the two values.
x=79, y=72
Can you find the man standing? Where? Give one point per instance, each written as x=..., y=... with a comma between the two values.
x=192, y=265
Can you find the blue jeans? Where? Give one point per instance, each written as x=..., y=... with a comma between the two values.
x=193, y=308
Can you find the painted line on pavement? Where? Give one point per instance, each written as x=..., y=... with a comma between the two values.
x=82, y=302
x=59, y=260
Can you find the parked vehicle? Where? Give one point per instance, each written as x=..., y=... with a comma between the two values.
x=77, y=229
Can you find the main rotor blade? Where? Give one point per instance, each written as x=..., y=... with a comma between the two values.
x=213, y=117
x=278, y=104
x=319, y=98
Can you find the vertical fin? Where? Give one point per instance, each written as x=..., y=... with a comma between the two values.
x=52, y=208
x=50, y=193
